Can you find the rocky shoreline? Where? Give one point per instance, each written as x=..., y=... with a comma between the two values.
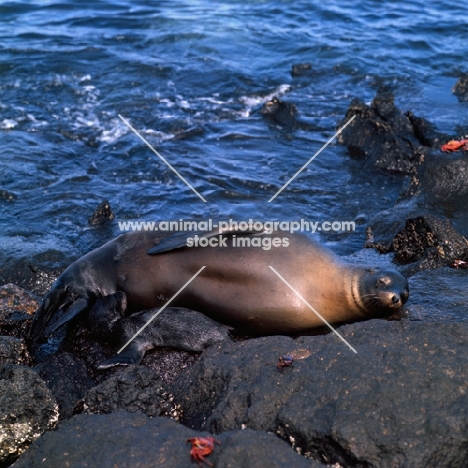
x=399, y=402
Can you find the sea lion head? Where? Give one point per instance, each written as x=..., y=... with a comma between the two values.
x=381, y=292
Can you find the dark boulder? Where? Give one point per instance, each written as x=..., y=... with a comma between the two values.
x=439, y=295
x=136, y=441
x=431, y=240
x=399, y=402
x=285, y=115
x=135, y=389
x=442, y=179
x=67, y=377
x=425, y=242
x=13, y=351
x=102, y=214
x=382, y=133
x=280, y=112
x=461, y=88
x=16, y=309
x=27, y=410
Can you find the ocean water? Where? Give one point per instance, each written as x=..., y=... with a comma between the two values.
x=191, y=77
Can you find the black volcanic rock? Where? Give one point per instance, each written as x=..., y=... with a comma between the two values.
x=136, y=389
x=102, y=214
x=381, y=132
x=27, y=409
x=461, y=88
x=130, y=440
x=399, y=402
x=425, y=242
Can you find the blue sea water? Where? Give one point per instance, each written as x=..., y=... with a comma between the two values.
x=192, y=76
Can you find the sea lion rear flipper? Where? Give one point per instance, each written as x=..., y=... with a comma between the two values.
x=57, y=308
x=132, y=355
x=179, y=240
x=80, y=305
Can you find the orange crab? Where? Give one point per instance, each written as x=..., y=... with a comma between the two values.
x=202, y=447
x=455, y=145
x=459, y=264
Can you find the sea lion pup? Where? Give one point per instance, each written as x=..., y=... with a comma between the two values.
x=174, y=327
x=236, y=287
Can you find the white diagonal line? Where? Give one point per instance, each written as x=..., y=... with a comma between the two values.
x=161, y=309
x=310, y=307
x=311, y=159
x=161, y=157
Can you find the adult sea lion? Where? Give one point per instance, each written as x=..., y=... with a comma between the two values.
x=236, y=288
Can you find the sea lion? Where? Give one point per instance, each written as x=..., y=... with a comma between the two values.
x=174, y=327
x=236, y=288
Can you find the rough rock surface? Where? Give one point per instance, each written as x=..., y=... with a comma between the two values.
x=439, y=295
x=16, y=308
x=399, y=402
x=442, y=178
x=425, y=242
x=280, y=112
x=284, y=114
x=27, y=410
x=136, y=389
x=13, y=351
x=431, y=239
x=394, y=141
x=102, y=214
x=67, y=377
x=135, y=441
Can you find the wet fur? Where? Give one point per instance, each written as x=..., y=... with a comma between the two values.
x=174, y=327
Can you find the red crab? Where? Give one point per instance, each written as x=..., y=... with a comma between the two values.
x=284, y=361
x=202, y=447
x=455, y=145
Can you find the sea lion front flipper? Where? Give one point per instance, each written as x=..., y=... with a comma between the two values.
x=179, y=241
x=176, y=241
x=60, y=305
x=131, y=355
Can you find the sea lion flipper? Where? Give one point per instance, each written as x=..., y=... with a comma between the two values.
x=179, y=240
x=132, y=355
x=80, y=305
x=176, y=241
x=57, y=308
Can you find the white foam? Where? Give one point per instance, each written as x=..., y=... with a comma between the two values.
x=8, y=124
x=117, y=130
x=251, y=102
